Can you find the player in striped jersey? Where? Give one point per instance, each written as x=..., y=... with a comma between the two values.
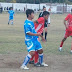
x=39, y=27
x=46, y=24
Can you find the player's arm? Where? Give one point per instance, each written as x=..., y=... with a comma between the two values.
x=65, y=20
x=37, y=34
x=14, y=13
x=36, y=21
x=65, y=24
x=33, y=34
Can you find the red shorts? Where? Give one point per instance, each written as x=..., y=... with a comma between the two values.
x=68, y=32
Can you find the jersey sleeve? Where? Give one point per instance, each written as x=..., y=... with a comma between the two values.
x=67, y=17
x=27, y=28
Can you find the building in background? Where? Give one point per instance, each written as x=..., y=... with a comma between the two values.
x=52, y=7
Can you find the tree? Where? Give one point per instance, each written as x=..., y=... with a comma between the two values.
x=13, y=1
x=38, y=1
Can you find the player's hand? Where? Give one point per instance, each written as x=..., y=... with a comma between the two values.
x=66, y=26
x=48, y=25
x=38, y=34
x=43, y=39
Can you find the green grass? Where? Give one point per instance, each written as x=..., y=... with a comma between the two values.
x=12, y=37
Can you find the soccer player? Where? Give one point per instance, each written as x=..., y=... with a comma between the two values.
x=31, y=40
x=47, y=22
x=68, y=26
x=11, y=15
x=39, y=27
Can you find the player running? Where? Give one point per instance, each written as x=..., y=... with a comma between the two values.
x=68, y=27
x=39, y=27
x=31, y=40
x=11, y=15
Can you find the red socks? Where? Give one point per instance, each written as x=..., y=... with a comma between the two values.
x=32, y=58
x=61, y=44
x=35, y=57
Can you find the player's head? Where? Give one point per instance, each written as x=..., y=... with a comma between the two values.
x=30, y=13
x=46, y=15
x=11, y=8
x=44, y=8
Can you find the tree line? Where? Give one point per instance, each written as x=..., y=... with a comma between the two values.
x=37, y=1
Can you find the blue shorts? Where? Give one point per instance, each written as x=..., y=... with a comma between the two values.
x=11, y=18
x=33, y=45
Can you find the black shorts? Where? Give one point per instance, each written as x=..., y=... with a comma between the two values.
x=46, y=23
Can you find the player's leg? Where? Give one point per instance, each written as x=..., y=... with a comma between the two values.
x=41, y=58
x=71, y=45
x=40, y=53
x=11, y=22
x=62, y=42
x=46, y=33
x=46, y=30
x=36, y=57
x=42, y=34
x=31, y=50
x=27, y=59
x=32, y=60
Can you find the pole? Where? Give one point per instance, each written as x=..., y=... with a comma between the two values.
x=39, y=4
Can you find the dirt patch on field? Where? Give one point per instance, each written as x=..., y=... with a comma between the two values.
x=57, y=63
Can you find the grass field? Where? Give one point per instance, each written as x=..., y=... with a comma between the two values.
x=13, y=49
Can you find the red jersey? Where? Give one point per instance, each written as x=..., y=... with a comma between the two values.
x=40, y=25
x=69, y=29
x=69, y=19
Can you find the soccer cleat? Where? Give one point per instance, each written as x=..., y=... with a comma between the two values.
x=60, y=49
x=12, y=24
x=8, y=23
x=24, y=67
x=40, y=65
x=37, y=64
x=45, y=65
x=71, y=51
x=46, y=40
x=31, y=62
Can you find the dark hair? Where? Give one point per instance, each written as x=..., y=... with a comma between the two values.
x=44, y=7
x=46, y=13
x=29, y=11
x=10, y=8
